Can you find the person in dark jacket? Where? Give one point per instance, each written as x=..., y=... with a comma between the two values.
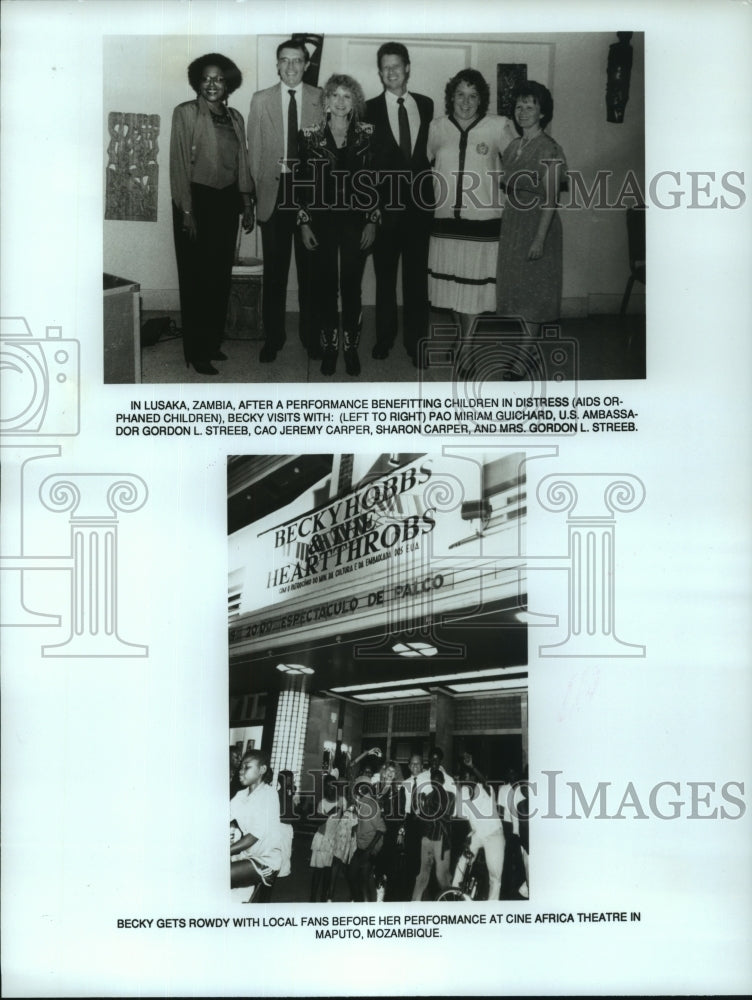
x=400, y=120
x=339, y=216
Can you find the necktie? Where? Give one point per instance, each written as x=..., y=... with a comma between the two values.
x=292, y=127
x=414, y=797
x=405, y=141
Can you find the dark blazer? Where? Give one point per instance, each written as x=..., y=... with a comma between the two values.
x=387, y=155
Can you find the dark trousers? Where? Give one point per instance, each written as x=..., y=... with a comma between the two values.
x=205, y=268
x=402, y=235
x=391, y=862
x=360, y=877
x=337, y=265
x=277, y=236
x=413, y=836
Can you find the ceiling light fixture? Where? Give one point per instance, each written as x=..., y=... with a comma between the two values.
x=435, y=678
x=294, y=668
x=413, y=649
x=391, y=695
x=478, y=686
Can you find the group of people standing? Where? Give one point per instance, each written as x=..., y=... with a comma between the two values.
x=394, y=834
x=385, y=836
x=465, y=202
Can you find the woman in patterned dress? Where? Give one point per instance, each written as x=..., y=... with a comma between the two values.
x=530, y=244
x=330, y=842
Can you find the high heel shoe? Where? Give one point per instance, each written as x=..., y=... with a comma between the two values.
x=218, y=356
x=202, y=367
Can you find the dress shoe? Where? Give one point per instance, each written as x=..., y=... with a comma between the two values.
x=202, y=367
x=268, y=353
x=219, y=356
x=380, y=351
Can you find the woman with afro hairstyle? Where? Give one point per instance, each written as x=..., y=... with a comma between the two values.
x=211, y=186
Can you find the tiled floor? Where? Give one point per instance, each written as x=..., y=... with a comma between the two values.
x=597, y=347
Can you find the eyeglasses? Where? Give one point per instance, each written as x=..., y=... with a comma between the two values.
x=291, y=62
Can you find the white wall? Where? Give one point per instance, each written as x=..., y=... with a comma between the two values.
x=147, y=74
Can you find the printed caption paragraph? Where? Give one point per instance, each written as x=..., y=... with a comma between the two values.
x=368, y=927
x=569, y=415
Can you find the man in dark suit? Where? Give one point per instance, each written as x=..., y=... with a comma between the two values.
x=400, y=119
x=276, y=116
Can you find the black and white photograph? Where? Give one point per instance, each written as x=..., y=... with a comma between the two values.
x=268, y=706
x=378, y=677
x=322, y=207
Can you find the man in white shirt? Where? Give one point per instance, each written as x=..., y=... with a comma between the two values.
x=400, y=119
x=478, y=807
x=276, y=116
x=257, y=854
x=435, y=759
x=412, y=827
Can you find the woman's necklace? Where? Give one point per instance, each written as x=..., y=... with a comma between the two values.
x=339, y=136
x=526, y=141
x=220, y=116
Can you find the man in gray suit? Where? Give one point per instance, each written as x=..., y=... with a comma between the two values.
x=276, y=116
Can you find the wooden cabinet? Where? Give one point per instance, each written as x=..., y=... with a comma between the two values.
x=121, y=314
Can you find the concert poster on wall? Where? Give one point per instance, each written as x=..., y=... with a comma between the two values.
x=376, y=556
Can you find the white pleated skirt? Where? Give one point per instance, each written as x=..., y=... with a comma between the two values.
x=462, y=262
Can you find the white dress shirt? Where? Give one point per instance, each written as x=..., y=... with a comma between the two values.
x=423, y=784
x=408, y=784
x=413, y=115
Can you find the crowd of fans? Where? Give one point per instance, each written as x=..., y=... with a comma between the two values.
x=383, y=835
